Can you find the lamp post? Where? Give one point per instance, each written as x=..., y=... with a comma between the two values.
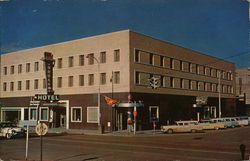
x=99, y=91
x=219, y=90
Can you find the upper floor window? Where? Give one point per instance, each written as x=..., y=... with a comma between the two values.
x=27, y=67
x=44, y=83
x=91, y=79
x=19, y=85
x=102, y=78
x=116, y=55
x=12, y=69
x=171, y=63
x=103, y=57
x=137, y=78
x=36, y=84
x=36, y=68
x=59, y=63
x=71, y=81
x=27, y=84
x=71, y=61
x=59, y=82
x=137, y=55
x=91, y=59
x=4, y=86
x=81, y=80
x=20, y=68
x=151, y=59
x=116, y=77
x=11, y=86
x=5, y=70
x=162, y=61
x=81, y=60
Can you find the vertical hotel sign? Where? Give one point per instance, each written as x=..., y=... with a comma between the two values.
x=49, y=64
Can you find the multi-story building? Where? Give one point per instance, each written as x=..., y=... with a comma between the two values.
x=243, y=90
x=117, y=65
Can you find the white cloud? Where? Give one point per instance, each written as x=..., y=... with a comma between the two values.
x=4, y=0
x=35, y=10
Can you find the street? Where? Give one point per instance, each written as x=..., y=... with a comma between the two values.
x=208, y=146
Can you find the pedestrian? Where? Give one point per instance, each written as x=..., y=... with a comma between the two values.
x=129, y=122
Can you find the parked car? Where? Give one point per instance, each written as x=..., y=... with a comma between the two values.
x=182, y=126
x=10, y=130
x=231, y=122
x=210, y=125
x=242, y=120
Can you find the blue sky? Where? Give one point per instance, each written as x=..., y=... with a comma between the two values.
x=215, y=27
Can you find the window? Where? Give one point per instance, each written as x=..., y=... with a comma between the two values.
x=103, y=78
x=27, y=84
x=91, y=59
x=116, y=77
x=81, y=80
x=91, y=79
x=19, y=68
x=44, y=112
x=33, y=114
x=36, y=68
x=92, y=114
x=76, y=114
x=27, y=67
x=26, y=114
x=154, y=113
x=162, y=81
x=71, y=81
x=162, y=61
x=117, y=55
x=59, y=63
x=137, y=78
x=171, y=81
x=5, y=70
x=171, y=63
x=71, y=61
x=19, y=85
x=181, y=83
x=12, y=69
x=59, y=82
x=81, y=60
x=137, y=56
x=103, y=57
x=11, y=86
x=4, y=86
x=44, y=83
x=151, y=59
x=36, y=84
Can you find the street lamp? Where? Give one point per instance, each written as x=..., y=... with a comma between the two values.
x=219, y=94
x=99, y=91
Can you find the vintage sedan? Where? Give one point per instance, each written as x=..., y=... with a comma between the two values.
x=210, y=125
x=10, y=130
x=182, y=126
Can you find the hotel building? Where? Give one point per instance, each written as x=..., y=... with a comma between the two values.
x=118, y=65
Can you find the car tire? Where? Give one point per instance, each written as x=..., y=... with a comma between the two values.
x=170, y=131
x=193, y=131
x=8, y=136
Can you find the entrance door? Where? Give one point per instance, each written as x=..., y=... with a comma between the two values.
x=62, y=120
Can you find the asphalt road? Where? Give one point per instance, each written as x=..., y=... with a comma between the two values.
x=222, y=145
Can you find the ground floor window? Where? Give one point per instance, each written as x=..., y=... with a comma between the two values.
x=154, y=113
x=44, y=112
x=76, y=114
x=33, y=114
x=92, y=114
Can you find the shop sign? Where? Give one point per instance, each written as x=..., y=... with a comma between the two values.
x=201, y=100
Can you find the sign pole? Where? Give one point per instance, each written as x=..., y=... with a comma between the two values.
x=135, y=113
x=41, y=141
x=27, y=143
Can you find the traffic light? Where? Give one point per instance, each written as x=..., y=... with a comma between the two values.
x=154, y=82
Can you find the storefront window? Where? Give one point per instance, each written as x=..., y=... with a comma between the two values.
x=33, y=114
x=92, y=114
x=154, y=113
x=44, y=114
x=76, y=114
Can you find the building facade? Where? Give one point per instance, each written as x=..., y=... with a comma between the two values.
x=243, y=90
x=116, y=65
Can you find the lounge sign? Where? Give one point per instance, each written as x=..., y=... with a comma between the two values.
x=45, y=97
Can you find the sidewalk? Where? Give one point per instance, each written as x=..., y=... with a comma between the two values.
x=98, y=132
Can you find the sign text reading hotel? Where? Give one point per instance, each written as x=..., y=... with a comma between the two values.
x=45, y=97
